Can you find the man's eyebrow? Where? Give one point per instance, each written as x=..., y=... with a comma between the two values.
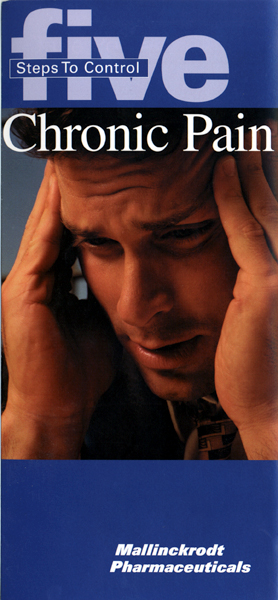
x=170, y=221
x=156, y=226
x=76, y=231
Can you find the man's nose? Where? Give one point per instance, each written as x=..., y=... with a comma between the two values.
x=145, y=291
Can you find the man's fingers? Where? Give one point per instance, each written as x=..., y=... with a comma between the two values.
x=43, y=247
x=36, y=213
x=258, y=195
x=245, y=234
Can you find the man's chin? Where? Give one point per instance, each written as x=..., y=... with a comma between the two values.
x=178, y=386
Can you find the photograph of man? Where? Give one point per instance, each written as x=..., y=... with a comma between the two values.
x=174, y=353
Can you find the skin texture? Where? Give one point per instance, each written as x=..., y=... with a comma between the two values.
x=183, y=259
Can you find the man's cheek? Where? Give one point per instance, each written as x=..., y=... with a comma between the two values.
x=102, y=288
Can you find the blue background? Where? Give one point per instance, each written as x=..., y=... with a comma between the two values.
x=247, y=29
x=62, y=522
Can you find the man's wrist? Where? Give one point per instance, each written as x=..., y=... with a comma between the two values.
x=27, y=438
x=260, y=441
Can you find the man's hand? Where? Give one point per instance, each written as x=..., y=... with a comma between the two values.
x=55, y=376
x=246, y=362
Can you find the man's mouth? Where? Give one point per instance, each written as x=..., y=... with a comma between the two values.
x=164, y=357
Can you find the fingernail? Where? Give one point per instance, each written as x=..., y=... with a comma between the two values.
x=229, y=166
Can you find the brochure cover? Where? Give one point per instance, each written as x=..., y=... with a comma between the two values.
x=139, y=299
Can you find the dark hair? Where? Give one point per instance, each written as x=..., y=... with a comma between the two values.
x=172, y=118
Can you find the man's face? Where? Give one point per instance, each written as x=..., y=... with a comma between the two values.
x=155, y=255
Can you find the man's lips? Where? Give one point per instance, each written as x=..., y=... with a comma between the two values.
x=163, y=357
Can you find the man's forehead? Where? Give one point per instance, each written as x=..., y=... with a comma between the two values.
x=107, y=174
x=150, y=195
